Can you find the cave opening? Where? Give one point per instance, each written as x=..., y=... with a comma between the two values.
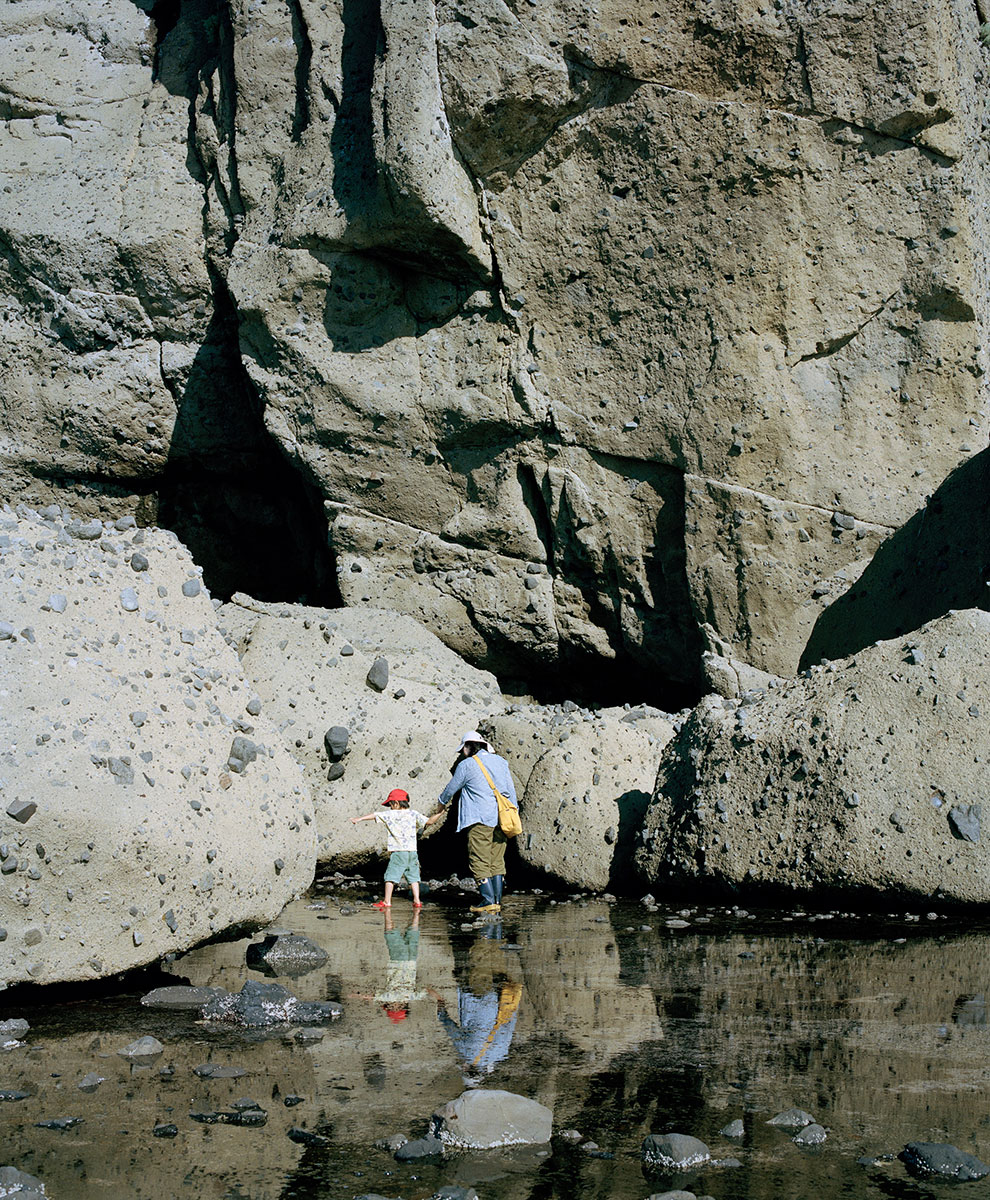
x=249, y=518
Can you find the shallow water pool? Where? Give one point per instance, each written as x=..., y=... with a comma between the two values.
x=624, y=1020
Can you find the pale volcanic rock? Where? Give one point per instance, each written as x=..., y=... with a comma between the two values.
x=869, y=774
x=310, y=668
x=686, y=309
x=124, y=834
x=584, y=781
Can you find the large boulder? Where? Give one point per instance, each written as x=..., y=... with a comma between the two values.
x=315, y=674
x=868, y=774
x=144, y=808
x=481, y=1119
x=584, y=780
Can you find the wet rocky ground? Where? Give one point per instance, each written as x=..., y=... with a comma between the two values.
x=625, y=1019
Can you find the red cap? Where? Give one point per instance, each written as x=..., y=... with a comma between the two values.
x=396, y=796
x=395, y=1015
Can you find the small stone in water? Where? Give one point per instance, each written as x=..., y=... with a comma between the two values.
x=792, y=1118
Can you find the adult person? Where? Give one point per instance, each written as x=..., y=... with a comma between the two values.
x=477, y=812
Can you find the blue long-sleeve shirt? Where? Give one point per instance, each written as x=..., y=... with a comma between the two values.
x=477, y=805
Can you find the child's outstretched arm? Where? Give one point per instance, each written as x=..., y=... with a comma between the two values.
x=437, y=816
x=366, y=817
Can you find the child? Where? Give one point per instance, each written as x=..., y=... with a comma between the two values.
x=402, y=823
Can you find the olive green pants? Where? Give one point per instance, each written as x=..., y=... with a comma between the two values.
x=486, y=851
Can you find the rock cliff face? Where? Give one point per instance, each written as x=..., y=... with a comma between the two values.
x=608, y=335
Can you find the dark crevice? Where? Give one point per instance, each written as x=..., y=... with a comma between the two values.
x=355, y=183
x=165, y=15
x=878, y=141
x=802, y=57
x=832, y=345
x=226, y=109
x=538, y=504
x=304, y=60
x=248, y=517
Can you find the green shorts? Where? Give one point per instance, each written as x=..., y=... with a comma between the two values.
x=402, y=862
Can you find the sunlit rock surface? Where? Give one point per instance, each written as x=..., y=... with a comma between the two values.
x=869, y=774
x=143, y=807
x=584, y=781
x=684, y=310
x=311, y=668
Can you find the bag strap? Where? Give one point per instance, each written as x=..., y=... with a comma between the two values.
x=484, y=771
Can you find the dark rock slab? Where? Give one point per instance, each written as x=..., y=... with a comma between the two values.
x=418, y=1149
x=286, y=954
x=218, y=1071
x=180, y=999
x=674, y=1152
x=926, y=1160
x=258, y=1005
x=305, y=1138
x=61, y=1124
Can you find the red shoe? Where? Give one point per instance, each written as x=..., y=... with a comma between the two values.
x=418, y=904
x=381, y=904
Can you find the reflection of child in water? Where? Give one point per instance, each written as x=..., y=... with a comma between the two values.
x=487, y=1008
x=399, y=990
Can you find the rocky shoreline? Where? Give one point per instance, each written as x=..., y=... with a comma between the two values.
x=177, y=767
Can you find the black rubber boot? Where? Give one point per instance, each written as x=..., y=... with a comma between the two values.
x=487, y=897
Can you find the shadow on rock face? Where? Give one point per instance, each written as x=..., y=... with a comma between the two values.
x=227, y=492
x=939, y=560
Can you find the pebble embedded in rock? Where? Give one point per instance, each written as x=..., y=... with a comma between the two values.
x=129, y=600
x=377, y=677
x=22, y=810
x=964, y=821
x=335, y=740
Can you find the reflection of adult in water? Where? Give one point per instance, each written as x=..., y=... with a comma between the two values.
x=487, y=1008
x=477, y=812
x=399, y=990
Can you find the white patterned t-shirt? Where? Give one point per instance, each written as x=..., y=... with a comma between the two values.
x=402, y=825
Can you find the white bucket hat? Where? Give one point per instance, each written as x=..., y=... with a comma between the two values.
x=473, y=735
